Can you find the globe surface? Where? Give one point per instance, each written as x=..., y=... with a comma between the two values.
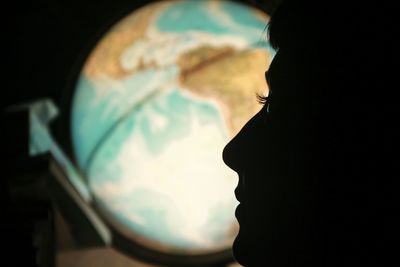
x=156, y=101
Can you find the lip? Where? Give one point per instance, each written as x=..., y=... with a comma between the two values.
x=239, y=192
x=239, y=211
x=238, y=196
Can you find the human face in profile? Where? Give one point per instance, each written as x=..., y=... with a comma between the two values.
x=242, y=155
x=267, y=155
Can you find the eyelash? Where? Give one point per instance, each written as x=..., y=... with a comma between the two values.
x=262, y=100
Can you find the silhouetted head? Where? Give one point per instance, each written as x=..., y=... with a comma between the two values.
x=270, y=154
x=303, y=160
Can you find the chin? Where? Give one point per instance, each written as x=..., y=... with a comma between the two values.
x=243, y=251
x=237, y=252
x=249, y=248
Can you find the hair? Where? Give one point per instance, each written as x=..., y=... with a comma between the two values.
x=292, y=23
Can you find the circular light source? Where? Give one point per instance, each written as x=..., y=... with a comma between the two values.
x=156, y=101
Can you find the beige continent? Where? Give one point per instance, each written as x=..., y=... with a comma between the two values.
x=232, y=79
x=104, y=60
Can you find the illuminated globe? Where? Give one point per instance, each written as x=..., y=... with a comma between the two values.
x=157, y=100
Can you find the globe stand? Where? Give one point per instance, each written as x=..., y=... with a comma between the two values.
x=27, y=219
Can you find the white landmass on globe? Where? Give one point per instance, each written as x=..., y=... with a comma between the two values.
x=185, y=171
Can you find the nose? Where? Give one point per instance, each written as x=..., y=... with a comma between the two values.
x=231, y=154
x=241, y=150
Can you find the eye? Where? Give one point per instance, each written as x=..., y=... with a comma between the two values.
x=265, y=101
x=262, y=100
